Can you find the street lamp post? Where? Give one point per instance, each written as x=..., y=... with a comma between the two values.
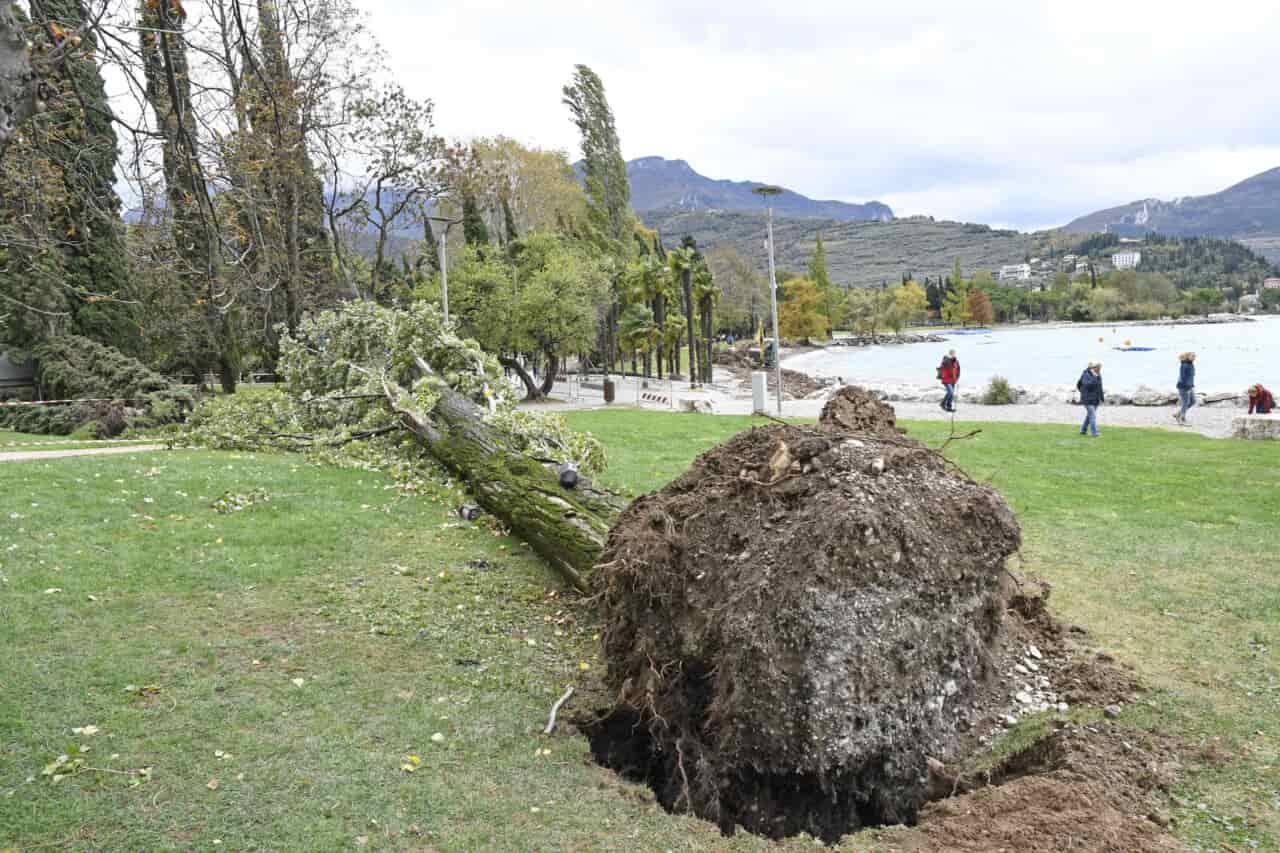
x=765, y=192
x=443, y=243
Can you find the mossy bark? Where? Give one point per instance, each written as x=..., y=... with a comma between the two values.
x=566, y=527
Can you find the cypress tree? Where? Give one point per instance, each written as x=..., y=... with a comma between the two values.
x=509, y=222
x=430, y=247
x=81, y=143
x=474, y=231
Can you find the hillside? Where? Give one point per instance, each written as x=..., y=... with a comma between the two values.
x=862, y=254
x=673, y=185
x=1248, y=211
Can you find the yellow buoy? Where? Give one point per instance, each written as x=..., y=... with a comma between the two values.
x=1127, y=343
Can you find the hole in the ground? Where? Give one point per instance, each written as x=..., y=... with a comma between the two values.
x=778, y=805
x=774, y=805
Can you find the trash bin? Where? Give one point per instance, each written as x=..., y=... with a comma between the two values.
x=609, y=390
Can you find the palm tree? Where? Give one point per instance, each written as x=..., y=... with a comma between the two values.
x=637, y=331
x=645, y=286
x=705, y=294
x=681, y=262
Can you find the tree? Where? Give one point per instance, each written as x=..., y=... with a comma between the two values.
x=537, y=186
x=955, y=306
x=196, y=242
x=543, y=303
x=801, y=315
x=911, y=301
x=604, y=169
x=638, y=332
x=383, y=151
x=1203, y=300
x=474, y=231
x=978, y=307
x=450, y=395
x=831, y=295
x=705, y=296
x=609, y=218
x=18, y=74
x=78, y=127
x=682, y=262
x=860, y=310
x=281, y=94
x=744, y=291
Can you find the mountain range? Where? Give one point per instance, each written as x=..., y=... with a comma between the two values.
x=659, y=184
x=1248, y=212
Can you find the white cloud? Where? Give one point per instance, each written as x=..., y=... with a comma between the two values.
x=1022, y=113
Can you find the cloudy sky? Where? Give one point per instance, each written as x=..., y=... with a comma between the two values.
x=1021, y=114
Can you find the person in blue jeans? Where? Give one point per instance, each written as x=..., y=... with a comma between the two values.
x=1090, y=388
x=1186, y=386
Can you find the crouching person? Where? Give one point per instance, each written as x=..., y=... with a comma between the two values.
x=1260, y=400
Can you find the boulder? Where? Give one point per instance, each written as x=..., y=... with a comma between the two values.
x=1256, y=426
x=789, y=636
x=1145, y=395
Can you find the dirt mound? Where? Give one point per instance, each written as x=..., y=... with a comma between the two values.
x=798, y=623
x=1084, y=787
x=857, y=410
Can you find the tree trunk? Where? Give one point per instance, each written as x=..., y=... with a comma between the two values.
x=531, y=389
x=566, y=527
x=17, y=79
x=686, y=277
x=706, y=338
x=660, y=320
x=549, y=379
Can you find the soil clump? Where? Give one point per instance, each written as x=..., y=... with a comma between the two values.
x=813, y=630
x=1093, y=786
x=799, y=623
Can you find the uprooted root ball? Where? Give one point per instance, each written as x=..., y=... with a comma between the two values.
x=797, y=624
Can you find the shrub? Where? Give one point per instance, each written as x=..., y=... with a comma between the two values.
x=999, y=392
x=70, y=367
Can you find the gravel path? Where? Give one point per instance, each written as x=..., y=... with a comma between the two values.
x=1213, y=421
x=729, y=398
x=28, y=455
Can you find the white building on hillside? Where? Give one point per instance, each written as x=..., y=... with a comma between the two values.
x=1015, y=272
x=1271, y=284
x=1126, y=260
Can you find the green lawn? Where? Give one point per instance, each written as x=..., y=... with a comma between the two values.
x=11, y=442
x=276, y=667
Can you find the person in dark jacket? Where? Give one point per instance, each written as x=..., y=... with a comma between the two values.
x=949, y=374
x=1090, y=388
x=1186, y=386
x=1260, y=400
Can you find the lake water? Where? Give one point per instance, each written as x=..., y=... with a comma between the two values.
x=1229, y=357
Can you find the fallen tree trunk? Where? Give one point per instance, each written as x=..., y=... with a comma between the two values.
x=566, y=527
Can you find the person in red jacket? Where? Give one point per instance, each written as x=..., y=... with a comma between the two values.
x=949, y=374
x=1260, y=400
